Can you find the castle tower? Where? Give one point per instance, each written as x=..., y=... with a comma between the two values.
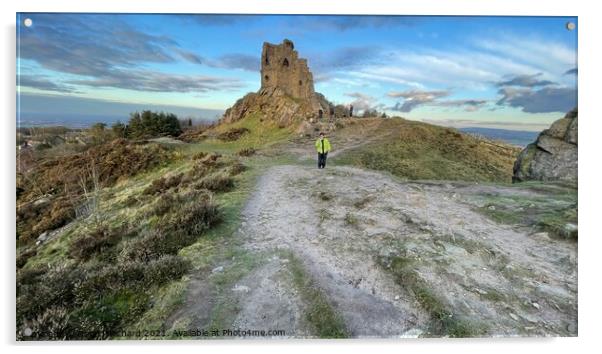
x=281, y=67
x=287, y=89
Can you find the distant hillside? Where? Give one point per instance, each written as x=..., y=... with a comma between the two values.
x=80, y=120
x=513, y=137
x=417, y=150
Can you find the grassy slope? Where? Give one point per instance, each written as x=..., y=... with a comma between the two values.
x=262, y=134
x=416, y=150
x=404, y=148
x=214, y=245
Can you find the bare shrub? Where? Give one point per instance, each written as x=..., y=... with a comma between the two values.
x=233, y=134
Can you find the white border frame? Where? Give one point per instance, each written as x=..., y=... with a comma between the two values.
x=589, y=189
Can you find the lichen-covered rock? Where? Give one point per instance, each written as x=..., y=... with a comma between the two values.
x=553, y=156
x=287, y=89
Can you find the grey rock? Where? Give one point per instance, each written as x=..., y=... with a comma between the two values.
x=553, y=156
x=217, y=269
x=43, y=236
x=41, y=201
x=241, y=288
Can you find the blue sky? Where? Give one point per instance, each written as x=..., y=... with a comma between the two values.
x=504, y=72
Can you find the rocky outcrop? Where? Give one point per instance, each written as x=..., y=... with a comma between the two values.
x=287, y=89
x=553, y=156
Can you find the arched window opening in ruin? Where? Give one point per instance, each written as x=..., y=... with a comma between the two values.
x=320, y=114
x=267, y=61
x=285, y=62
x=267, y=78
x=300, y=82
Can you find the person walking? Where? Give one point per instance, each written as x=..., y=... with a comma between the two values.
x=323, y=147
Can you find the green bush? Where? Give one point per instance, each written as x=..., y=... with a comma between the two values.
x=216, y=182
x=96, y=242
x=246, y=152
x=178, y=228
x=52, y=324
x=165, y=268
x=236, y=168
x=162, y=184
x=54, y=288
x=24, y=256
x=193, y=218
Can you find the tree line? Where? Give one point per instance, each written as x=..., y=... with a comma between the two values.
x=141, y=125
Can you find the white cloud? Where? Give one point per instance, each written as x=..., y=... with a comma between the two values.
x=478, y=68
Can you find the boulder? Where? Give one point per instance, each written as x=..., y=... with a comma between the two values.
x=553, y=156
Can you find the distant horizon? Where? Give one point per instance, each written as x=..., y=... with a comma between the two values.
x=82, y=121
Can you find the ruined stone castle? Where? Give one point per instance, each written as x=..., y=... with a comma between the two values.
x=281, y=67
x=287, y=91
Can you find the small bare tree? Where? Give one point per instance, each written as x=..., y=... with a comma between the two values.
x=91, y=195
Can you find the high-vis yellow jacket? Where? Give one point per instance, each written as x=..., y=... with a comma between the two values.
x=322, y=145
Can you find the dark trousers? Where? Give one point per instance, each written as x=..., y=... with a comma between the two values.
x=322, y=160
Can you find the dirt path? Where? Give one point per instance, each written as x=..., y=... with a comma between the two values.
x=390, y=259
x=341, y=221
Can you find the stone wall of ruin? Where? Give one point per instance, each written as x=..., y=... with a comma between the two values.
x=281, y=67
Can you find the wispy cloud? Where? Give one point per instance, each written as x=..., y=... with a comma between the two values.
x=236, y=61
x=108, y=52
x=152, y=81
x=90, y=45
x=526, y=81
x=469, y=105
x=216, y=19
x=547, y=55
x=534, y=95
x=479, y=66
x=42, y=83
x=227, y=61
x=347, y=23
x=362, y=102
x=547, y=99
x=415, y=98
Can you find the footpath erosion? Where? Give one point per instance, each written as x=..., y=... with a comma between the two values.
x=345, y=252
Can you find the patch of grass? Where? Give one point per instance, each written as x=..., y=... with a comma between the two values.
x=471, y=246
x=323, y=215
x=246, y=152
x=561, y=223
x=24, y=256
x=320, y=315
x=227, y=308
x=554, y=211
x=325, y=196
x=163, y=184
x=443, y=321
x=351, y=219
x=233, y=134
x=260, y=135
x=501, y=214
x=493, y=295
x=216, y=182
x=361, y=203
x=415, y=150
x=97, y=241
